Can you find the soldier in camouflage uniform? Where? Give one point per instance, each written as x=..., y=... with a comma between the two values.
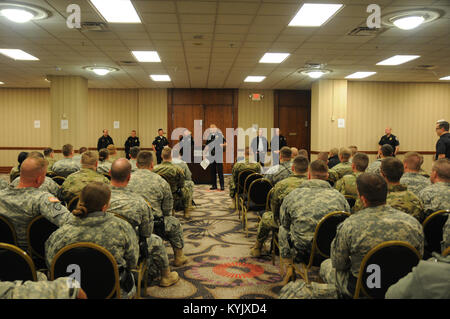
x=347, y=184
x=67, y=165
x=437, y=196
x=104, y=165
x=91, y=223
x=49, y=185
x=134, y=151
x=15, y=171
x=139, y=213
x=302, y=210
x=386, y=151
x=60, y=288
x=20, y=205
x=74, y=183
x=271, y=219
x=3, y=183
x=412, y=178
x=281, y=171
x=188, y=182
x=174, y=175
x=343, y=168
x=446, y=236
x=299, y=289
x=375, y=224
x=157, y=192
x=49, y=156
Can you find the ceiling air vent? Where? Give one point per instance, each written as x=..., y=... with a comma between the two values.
x=94, y=26
x=365, y=31
x=127, y=63
x=425, y=67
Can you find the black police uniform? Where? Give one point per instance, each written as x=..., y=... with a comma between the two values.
x=103, y=142
x=216, y=158
x=391, y=140
x=276, y=144
x=159, y=143
x=131, y=142
x=186, y=148
x=443, y=146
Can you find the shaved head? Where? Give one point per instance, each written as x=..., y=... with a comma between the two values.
x=120, y=170
x=294, y=152
x=32, y=172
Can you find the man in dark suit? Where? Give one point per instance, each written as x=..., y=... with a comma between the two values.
x=132, y=140
x=276, y=144
x=214, y=148
x=186, y=146
x=259, y=147
x=104, y=140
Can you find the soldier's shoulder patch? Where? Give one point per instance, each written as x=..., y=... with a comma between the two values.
x=53, y=199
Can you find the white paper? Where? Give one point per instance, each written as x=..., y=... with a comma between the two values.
x=37, y=124
x=64, y=124
x=116, y=124
x=341, y=123
x=204, y=163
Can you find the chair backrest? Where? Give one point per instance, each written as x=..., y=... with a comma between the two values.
x=250, y=178
x=268, y=199
x=433, y=230
x=97, y=268
x=59, y=179
x=351, y=200
x=241, y=180
x=258, y=191
x=15, y=264
x=73, y=203
x=38, y=231
x=7, y=232
x=383, y=266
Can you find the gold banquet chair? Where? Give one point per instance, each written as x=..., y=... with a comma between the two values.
x=7, y=232
x=16, y=264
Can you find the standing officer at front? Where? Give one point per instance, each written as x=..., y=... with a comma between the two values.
x=389, y=139
x=158, y=145
x=104, y=140
x=443, y=144
x=214, y=146
x=132, y=141
x=259, y=147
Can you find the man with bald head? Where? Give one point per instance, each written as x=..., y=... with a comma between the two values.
x=390, y=139
x=20, y=205
x=138, y=212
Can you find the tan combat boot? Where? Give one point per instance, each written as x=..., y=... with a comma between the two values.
x=180, y=258
x=287, y=266
x=168, y=278
x=256, y=249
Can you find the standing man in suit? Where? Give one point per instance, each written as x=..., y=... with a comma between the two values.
x=104, y=140
x=132, y=140
x=214, y=148
x=158, y=145
x=276, y=144
x=186, y=146
x=259, y=147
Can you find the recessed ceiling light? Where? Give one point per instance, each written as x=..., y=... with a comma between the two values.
x=22, y=12
x=314, y=14
x=408, y=23
x=17, y=54
x=398, y=59
x=17, y=15
x=315, y=73
x=100, y=70
x=411, y=18
x=146, y=56
x=117, y=11
x=445, y=78
x=273, y=57
x=360, y=75
x=1, y=83
x=252, y=78
x=160, y=77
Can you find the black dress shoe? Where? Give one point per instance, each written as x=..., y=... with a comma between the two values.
x=213, y=188
x=222, y=188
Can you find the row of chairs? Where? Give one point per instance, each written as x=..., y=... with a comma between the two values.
x=60, y=179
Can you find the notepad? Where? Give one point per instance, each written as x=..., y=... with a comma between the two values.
x=204, y=163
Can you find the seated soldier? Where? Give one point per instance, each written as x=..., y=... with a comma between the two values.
x=74, y=183
x=281, y=171
x=23, y=203
x=437, y=196
x=375, y=224
x=398, y=197
x=412, y=177
x=343, y=168
x=104, y=165
x=80, y=153
x=271, y=219
x=112, y=152
x=50, y=157
x=139, y=213
x=333, y=157
x=188, y=182
x=347, y=184
x=134, y=151
x=174, y=175
x=67, y=165
x=3, y=183
x=59, y=288
x=240, y=167
x=446, y=236
x=15, y=171
x=386, y=151
x=354, y=150
x=295, y=153
x=91, y=223
x=301, y=211
x=323, y=156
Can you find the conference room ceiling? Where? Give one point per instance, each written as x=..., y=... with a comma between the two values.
x=217, y=44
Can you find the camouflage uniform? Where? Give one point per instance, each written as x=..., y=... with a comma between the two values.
x=133, y=165
x=3, y=183
x=112, y=233
x=14, y=173
x=49, y=185
x=104, y=167
x=21, y=205
x=279, y=172
x=339, y=171
x=424, y=173
x=300, y=213
x=375, y=167
x=435, y=197
x=157, y=192
x=446, y=236
x=361, y=232
x=240, y=167
x=136, y=210
x=347, y=184
x=174, y=175
x=56, y=289
x=415, y=182
x=74, y=183
x=270, y=219
x=188, y=183
x=50, y=161
x=299, y=289
x=65, y=167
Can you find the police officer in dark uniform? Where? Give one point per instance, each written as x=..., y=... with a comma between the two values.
x=214, y=146
x=158, y=144
x=443, y=144
x=132, y=141
x=389, y=139
x=104, y=140
x=278, y=141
